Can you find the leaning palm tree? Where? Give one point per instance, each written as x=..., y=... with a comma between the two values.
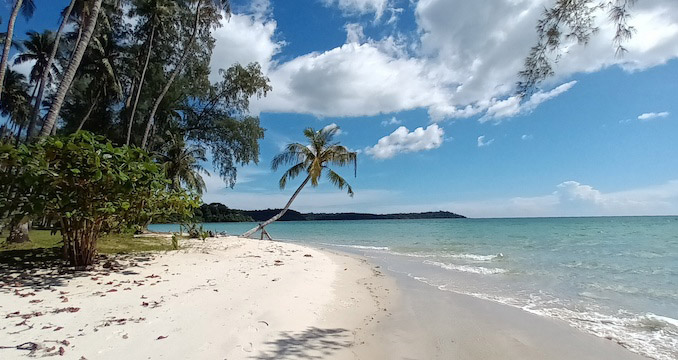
x=27, y=7
x=182, y=162
x=312, y=159
x=88, y=27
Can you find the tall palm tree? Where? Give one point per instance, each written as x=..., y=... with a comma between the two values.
x=88, y=27
x=182, y=162
x=156, y=12
x=313, y=159
x=27, y=7
x=200, y=5
x=45, y=76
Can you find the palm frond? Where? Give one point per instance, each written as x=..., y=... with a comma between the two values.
x=338, y=181
x=291, y=173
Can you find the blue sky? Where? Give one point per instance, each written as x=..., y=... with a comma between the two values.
x=598, y=139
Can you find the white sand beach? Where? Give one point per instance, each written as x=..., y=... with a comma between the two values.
x=225, y=298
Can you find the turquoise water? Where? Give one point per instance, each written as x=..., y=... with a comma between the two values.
x=615, y=277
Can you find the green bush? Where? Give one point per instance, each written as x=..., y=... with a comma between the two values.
x=86, y=185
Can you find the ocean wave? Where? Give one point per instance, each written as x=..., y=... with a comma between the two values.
x=469, y=257
x=362, y=247
x=467, y=268
x=650, y=335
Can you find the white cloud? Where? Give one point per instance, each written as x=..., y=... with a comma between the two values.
x=482, y=142
x=243, y=39
x=652, y=115
x=360, y=7
x=512, y=106
x=462, y=61
x=334, y=126
x=391, y=121
x=527, y=137
x=403, y=141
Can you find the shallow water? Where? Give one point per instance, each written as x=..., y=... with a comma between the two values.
x=615, y=277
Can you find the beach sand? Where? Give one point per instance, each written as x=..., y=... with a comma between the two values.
x=234, y=298
x=225, y=298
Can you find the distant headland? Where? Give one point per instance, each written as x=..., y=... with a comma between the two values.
x=217, y=212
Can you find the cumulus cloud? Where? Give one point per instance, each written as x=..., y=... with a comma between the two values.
x=652, y=115
x=391, y=121
x=527, y=137
x=482, y=142
x=461, y=62
x=404, y=141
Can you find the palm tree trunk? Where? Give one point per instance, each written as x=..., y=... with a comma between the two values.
x=176, y=71
x=18, y=233
x=8, y=43
x=281, y=213
x=69, y=75
x=89, y=112
x=77, y=39
x=45, y=73
x=141, y=84
x=21, y=126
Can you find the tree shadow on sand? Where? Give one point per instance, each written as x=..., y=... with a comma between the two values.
x=312, y=343
x=40, y=269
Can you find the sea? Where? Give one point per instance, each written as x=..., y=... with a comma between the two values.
x=614, y=277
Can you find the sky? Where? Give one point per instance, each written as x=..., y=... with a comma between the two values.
x=424, y=91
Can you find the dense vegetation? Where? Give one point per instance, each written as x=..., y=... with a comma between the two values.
x=216, y=212
x=109, y=128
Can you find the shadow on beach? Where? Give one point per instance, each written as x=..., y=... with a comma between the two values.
x=312, y=343
x=40, y=269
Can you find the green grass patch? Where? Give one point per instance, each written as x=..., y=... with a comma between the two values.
x=107, y=244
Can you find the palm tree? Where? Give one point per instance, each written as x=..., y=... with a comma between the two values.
x=45, y=76
x=37, y=48
x=15, y=101
x=156, y=12
x=88, y=27
x=98, y=67
x=181, y=162
x=312, y=159
x=219, y=4
x=27, y=7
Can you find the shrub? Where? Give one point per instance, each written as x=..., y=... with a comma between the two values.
x=85, y=184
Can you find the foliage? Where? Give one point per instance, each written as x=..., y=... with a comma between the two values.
x=88, y=186
x=571, y=20
x=315, y=158
x=175, y=241
x=181, y=163
x=217, y=212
